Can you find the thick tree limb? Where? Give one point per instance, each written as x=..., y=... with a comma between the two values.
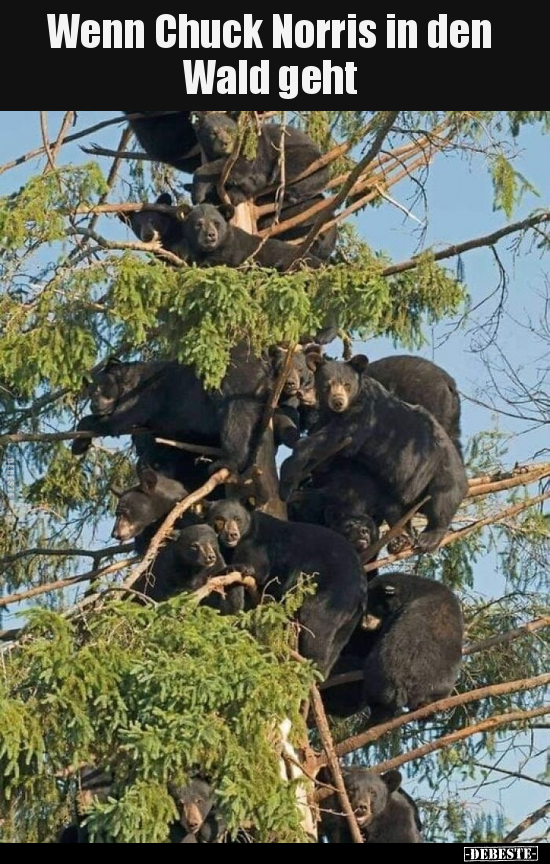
x=454, y=536
x=357, y=742
x=526, y=823
x=467, y=245
x=332, y=760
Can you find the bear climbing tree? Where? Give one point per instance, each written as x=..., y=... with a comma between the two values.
x=155, y=688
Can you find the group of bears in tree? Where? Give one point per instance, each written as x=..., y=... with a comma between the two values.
x=369, y=442
x=206, y=237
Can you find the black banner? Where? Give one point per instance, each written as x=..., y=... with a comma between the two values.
x=284, y=58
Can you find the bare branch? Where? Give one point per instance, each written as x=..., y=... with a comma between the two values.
x=476, y=243
x=358, y=741
x=218, y=583
x=394, y=531
x=526, y=823
x=222, y=476
x=67, y=553
x=66, y=583
x=530, y=627
x=66, y=123
x=332, y=760
x=454, y=536
x=512, y=774
x=446, y=740
x=44, y=130
x=88, y=131
x=201, y=449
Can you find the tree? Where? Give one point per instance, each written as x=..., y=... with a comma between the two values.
x=156, y=693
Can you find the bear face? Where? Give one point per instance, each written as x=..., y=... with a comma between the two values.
x=205, y=228
x=217, y=134
x=360, y=530
x=369, y=793
x=144, y=504
x=194, y=803
x=337, y=384
x=198, y=547
x=300, y=381
x=230, y=521
x=151, y=225
x=104, y=388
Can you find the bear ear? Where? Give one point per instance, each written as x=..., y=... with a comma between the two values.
x=164, y=198
x=314, y=359
x=201, y=508
x=183, y=211
x=227, y=211
x=148, y=480
x=275, y=352
x=112, y=363
x=359, y=363
x=187, y=187
x=392, y=779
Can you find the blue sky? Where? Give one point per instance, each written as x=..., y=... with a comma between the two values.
x=459, y=194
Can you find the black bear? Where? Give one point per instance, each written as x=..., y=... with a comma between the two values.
x=184, y=564
x=192, y=554
x=248, y=178
x=168, y=137
x=417, y=654
x=212, y=241
x=324, y=244
x=421, y=382
x=146, y=505
x=276, y=552
x=343, y=495
x=152, y=225
x=404, y=448
x=190, y=469
x=346, y=698
x=384, y=812
x=170, y=400
x=199, y=821
x=298, y=398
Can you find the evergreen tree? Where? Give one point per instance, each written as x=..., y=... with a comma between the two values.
x=156, y=694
